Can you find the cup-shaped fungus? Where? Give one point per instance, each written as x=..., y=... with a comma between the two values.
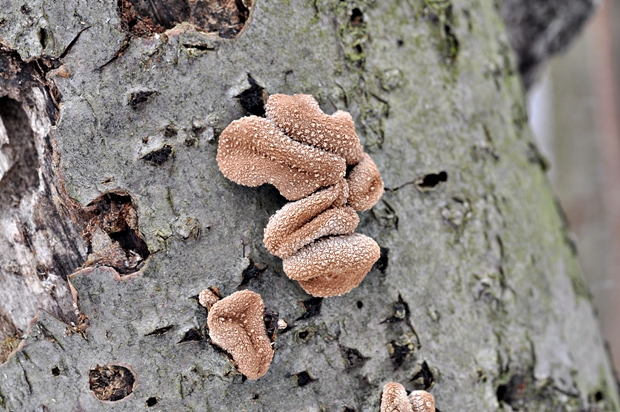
x=394, y=399
x=422, y=401
x=236, y=325
x=208, y=297
x=304, y=153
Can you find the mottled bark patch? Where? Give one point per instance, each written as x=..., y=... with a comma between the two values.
x=40, y=243
x=18, y=154
x=224, y=17
x=353, y=357
x=111, y=382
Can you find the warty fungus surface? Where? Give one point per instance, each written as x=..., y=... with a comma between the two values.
x=236, y=325
x=208, y=297
x=395, y=399
x=253, y=151
x=301, y=118
x=304, y=153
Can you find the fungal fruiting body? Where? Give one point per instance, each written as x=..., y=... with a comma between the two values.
x=305, y=153
x=236, y=325
x=395, y=399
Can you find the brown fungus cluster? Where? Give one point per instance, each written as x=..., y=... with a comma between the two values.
x=305, y=153
x=395, y=399
x=236, y=324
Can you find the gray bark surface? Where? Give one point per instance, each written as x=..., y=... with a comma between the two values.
x=479, y=294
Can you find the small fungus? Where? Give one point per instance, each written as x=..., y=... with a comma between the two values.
x=422, y=401
x=395, y=399
x=236, y=325
x=208, y=298
x=304, y=153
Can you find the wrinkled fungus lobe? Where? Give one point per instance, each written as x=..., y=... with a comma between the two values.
x=304, y=153
x=236, y=325
x=395, y=399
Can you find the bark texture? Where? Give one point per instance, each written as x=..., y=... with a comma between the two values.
x=478, y=293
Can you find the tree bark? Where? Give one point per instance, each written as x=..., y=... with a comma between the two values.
x=111, y=114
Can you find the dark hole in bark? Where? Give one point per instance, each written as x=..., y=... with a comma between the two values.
x=501, y=392
x=138, y=99
x=312, y=308
x=152, y=401
x=513, y=391
x=271, y=323
x=304, y=335
x=130, y=240
x=145, y=17
x=253, y=99
x=382, y=264
x=160, y=331
x=112, y=233
x=250, y=273
x=401, y=311
x=399, y=353
x=111, y=382
x=430, y=181
x=400, y=43
x=255, y=396
x=303, y=378
x=192, y=335
x=451, y=46
x=349, y=410
x=25, y=9
x=360, y=304
x=55, y=371
x=21, y=177
x=353, y=357
x=160, y=156
x=43, y=37
x=357, y=17
x=425, y=375
x=201, y=47
x=599, y=396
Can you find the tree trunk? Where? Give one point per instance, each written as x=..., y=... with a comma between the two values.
x=110, y=190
